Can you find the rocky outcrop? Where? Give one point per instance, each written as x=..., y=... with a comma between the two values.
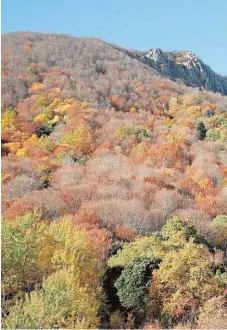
x=185, y=67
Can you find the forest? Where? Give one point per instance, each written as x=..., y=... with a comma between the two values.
x=114, y=191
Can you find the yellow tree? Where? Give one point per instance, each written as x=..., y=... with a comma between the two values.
x=79, y=140
x=57, y=260
x=9, y=118
x=185, y=281
x=61, y=302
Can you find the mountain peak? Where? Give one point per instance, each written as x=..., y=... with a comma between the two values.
x=187, y=67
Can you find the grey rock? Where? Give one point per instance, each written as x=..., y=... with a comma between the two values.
x=185, y=67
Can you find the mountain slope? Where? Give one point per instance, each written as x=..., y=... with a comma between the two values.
x=95, y=69
x=110, y=172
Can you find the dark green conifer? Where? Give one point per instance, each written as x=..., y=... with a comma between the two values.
x=200, y=130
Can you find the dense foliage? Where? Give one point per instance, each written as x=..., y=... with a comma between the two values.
x=114, y=191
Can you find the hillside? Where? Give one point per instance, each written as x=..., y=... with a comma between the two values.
x=92, y=67
x=85, y=58
x=114, y=188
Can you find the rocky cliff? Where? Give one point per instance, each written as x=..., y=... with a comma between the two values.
x=185, y=67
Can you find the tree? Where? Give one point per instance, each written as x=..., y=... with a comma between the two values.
x=132, y=283
x=177, y=233
x=125, y=212
x=125, y=232
x=219, y=225
x=20, y=185
x=117, y=320
x=28, y=47
x=142, y=247
x=22, y=241
x=200, y=130
x=9, y=117
x=213, y=314
x=61, y=302
x=185, y=281
x=167, y=201
x=44, y=130
x=57, y=266
x=80, y=140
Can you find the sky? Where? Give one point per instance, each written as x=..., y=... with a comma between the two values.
x=196, y=25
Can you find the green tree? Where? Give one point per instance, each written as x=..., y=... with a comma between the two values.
x=133, y=281
x=200, y=130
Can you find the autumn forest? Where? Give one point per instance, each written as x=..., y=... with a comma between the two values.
x=114, y=191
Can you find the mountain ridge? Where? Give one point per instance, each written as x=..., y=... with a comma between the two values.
x=98, y=69
x=187, y=67
x=181, y=66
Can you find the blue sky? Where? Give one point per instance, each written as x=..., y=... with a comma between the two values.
x=196, y=25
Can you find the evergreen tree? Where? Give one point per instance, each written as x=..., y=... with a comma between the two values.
x=200, y=130
x=132, y=284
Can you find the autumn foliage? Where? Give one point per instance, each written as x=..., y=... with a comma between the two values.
x=114, y=195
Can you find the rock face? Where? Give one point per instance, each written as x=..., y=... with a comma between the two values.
x=185, y=67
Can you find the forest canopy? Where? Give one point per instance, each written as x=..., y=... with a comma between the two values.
x=114, y=191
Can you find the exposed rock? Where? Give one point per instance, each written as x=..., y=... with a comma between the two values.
x=185, y=67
